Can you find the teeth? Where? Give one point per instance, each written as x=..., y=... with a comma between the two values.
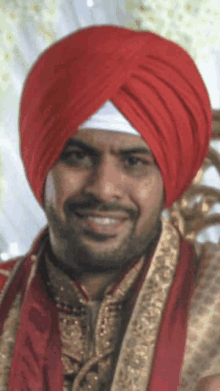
x=104, y=221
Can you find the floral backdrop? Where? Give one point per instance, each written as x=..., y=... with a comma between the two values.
x=192, y=24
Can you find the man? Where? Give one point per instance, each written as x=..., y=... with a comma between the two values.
x=114, y=125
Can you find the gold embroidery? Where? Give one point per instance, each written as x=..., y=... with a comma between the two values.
x=202, y=352
x=10, y=279
x=92, y=378
x=5, y=273
x=88, y=342
x=75, y=339
x=7, y=341
x=108, y=320
x=66, y=292
x=136, y=356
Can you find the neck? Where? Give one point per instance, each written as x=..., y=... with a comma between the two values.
x=95, y=284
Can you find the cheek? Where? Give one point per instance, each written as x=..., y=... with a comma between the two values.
x=60, y=185
x=150, y=192
x=150, y=201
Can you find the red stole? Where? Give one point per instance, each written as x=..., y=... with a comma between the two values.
x=37, y=362
x=166, y=371
x=37, y=355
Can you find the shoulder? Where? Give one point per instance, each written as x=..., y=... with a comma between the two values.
x=6, y=269
x=208, y=272
x=207, y=253
x=9, y=269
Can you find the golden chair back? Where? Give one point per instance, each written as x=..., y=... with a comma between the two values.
x=191, y=213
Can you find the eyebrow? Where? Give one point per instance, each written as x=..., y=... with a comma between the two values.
x=144, y=150
x=94, y=151
x=79, y=143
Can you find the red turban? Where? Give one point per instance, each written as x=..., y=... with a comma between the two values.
x=152, y=81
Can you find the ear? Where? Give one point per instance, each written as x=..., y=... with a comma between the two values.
x=48, y=189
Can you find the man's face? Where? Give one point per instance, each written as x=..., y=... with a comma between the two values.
x=103, y=200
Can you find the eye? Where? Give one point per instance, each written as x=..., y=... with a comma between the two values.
x=76, y=157
x=135, y=161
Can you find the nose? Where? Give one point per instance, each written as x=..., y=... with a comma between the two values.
x=106, y=183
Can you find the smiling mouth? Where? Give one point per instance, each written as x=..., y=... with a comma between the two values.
x=103, y=220
x=109, y=224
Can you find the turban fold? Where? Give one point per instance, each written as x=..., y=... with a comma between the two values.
x=152, y=81
x=108, y=117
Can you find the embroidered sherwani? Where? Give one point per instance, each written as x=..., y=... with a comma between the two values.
x=54, y=337
x=91, y=330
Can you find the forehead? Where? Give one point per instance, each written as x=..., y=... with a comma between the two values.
x=105, y=139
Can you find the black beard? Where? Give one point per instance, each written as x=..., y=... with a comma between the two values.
x=67, y=246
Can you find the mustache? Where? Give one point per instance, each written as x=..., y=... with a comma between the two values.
x=93, y=205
